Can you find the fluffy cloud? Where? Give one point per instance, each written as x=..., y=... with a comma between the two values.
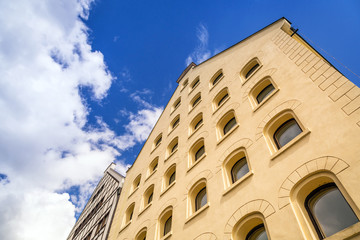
x=201, y=52
x=45, y=146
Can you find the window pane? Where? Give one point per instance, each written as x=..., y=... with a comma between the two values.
x=154, y=168
x=150, y=198
x=177, y=104
x=199, y=153
x=195, y=84
x=331, y=211
x=251, y=70
x=198, y=124
x=286, y=132
x=217, y=78
x=196, y=101
x=176, y=123
x=172, y=178
x=174, y=147
x=257, y=233
x=239, y=169
x=167, y=226
x=264, y=93
x=200, y=199
x=158, y=141
x=223, y=99
x=229, y=125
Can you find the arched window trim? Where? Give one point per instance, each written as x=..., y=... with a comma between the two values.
x=141, y=233
x=244, y=227
x=216, y=79
x=258, y=88
x=166, y=178
x=195, y=101
x=221, y=124
x=195, y=124
x=194, y=84
x=243, y=159
x=172, y=148
x=195, y=147
x=220, y=99
x=245, y=73
x=163, y=217
x=279, y=146
x=192, y=211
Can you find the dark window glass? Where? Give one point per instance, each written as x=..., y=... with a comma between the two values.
x=150, y=198
x=223, y=99
x=172, y=178
x=176, y=123
x=329, y=211
x=196, y=101
x=167, y=225
x=217, y=78
x=239, y=169
x=198, y=124
x=138, y=183
x=251, y=70
x=286, y=132
x=264, y=93
x=131, y=214
x=257, y=233
x=177, y=104
x=158, y=141
x=200, y=199
x=174, y=147
x=155, y=167
x=229, y=125
x=199, y=153
x=195, y=84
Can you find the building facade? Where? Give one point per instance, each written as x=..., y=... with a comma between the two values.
x=95, y=220
x=261, y=141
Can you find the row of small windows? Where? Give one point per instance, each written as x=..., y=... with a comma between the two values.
x=326, y=207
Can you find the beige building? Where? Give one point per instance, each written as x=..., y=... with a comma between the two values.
x=261, y=141
x=95, y=220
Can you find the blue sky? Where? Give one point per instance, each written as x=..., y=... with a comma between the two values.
x=83, y=82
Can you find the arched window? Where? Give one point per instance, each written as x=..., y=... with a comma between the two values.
x=239, y=169
x=195, y=83
x=196, y=123
x=169, y=177
x=167, y=226
x=286, y=132
x=220, y=99
x=172, y=147
x=172, y=178
x=152, y=167
x=252, y=69
x=142, y=234
x=329, y=211
x=176, y=104
x=129, y=214
x=200, y=199
x=217, y=78
x=199, y=153
x=223, y=99
x=229, y=125
x=257, y=233
x=136, y=183
x=150, y=198
x=175, y=122
x=264, y=93
x=196, y=101
x=157, y=140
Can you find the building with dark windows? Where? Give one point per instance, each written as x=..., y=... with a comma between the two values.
x=261, y=141
x=95, y=220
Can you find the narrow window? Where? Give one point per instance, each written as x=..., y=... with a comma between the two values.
x=196, y=101
x=195, y=83
x=252, y=70
x=257, y=233
x=198, y=124
x=174, y=147
x=131, y=214
x=158, y=141
x=199, y=153
x=177, y=104
x=229, y=125
x=217, y=79
x=155, y=167
x=167, y=226
x=239, y=169
x=200, y=199
x=223, y=99
x=286, y=132
x=176, y=123
x=329, y=211
x=172, y=178
x=150, y=198
x=264, y=93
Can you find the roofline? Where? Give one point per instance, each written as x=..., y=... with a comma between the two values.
x=186, y=71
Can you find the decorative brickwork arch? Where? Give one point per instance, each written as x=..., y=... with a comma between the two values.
x=290, y=104
x=206, y=236
x=268, y=73
x=255, y=206
x=326, y=163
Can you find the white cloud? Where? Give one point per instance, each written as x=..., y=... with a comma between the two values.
x=201, y=52
x=45, y=58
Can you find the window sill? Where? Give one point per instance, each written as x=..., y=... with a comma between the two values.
x=195, y=131
x=173, y=129
x=144, y=209
x=153, y=172
x=175, y=109
x=348, y=233
x=132, y=193
x=265, y=100
x=206, y=206
x=222, y=104
x=194, y=106
x=167, y=188
x=167, y=236
x=217, y=83
x=247, y=79
x=193, y=88
x=238, y=182
x=156, y=147
x=289, y=144
x=196, y=162
x=124, y=227
x=171, y=154
x=227, y=134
